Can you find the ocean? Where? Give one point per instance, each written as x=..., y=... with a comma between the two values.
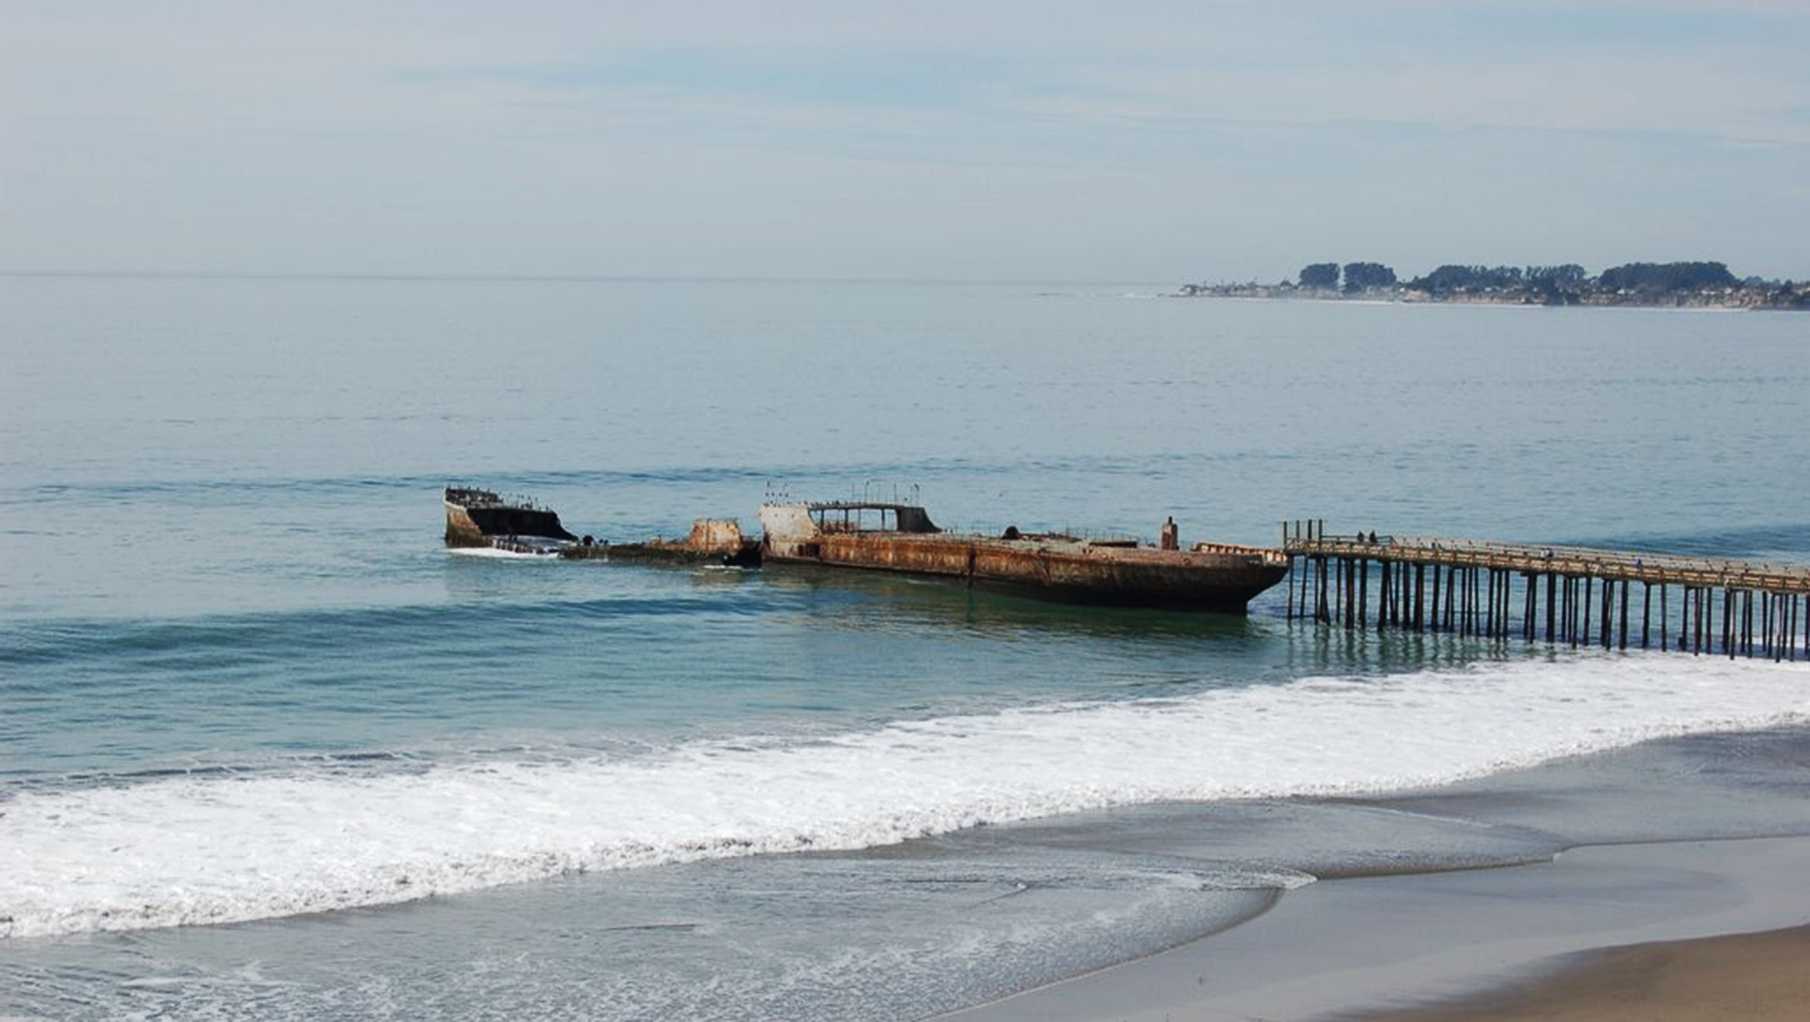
x=268, y=749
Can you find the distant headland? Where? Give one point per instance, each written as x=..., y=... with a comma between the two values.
x=1701, y=285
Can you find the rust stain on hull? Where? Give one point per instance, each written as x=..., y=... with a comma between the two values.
x=461, y=531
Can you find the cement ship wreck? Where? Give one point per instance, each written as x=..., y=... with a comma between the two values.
x=478, y=518
x=902, y=538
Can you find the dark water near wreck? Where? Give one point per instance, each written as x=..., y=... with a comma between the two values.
x=241, y=683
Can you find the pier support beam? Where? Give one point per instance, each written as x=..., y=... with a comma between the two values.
x=1693, y=608
x=1665, y=618
x=1684, y=620
x=1311, y=566
x=1624, y=614
x=1806, y=615
x=1338, y=586
x=1382, y=597
x=1320, y=613
x=1288, y=613
x=1434, y=622
x=1565, y=588
x=1728, y=623
x=1747, y=622
x=1508, y=604
x=1452, y=603
x=1404, y=595
x=1420, y=585
x=1589, y=595
x=1608, y=609
x=1347, y=610
x=1766, y=614
x=1552, y=581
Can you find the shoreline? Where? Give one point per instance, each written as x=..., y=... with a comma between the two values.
x=1517, y=941
x=1172, y=910
x=1462, y=897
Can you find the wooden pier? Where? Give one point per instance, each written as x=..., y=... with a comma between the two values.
x=1565, y=595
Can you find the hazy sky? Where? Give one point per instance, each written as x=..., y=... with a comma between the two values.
x=1159, y=142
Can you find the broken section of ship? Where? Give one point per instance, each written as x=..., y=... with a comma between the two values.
x=484, y=518
x=480, y=518
x=901, y=537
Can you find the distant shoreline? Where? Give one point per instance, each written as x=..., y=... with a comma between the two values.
x=1736, y=300
x=1679, y=285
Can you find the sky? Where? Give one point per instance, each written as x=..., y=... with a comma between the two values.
x=1161, y=142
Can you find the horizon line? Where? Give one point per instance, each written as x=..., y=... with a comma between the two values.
x=525, y=278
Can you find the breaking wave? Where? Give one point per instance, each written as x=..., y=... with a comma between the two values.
x=211, y=849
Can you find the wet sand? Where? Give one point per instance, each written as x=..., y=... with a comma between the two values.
x=1488, y=943
x=1760, y=976
x=1561, y=888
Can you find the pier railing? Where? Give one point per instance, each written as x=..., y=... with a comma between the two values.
x=1476, y=586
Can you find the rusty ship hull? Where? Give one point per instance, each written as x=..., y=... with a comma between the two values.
x=1211, y=577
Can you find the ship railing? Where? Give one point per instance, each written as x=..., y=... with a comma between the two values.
x=481, y=497
x=880, y=490
x=1065, y=533
x=872, y=491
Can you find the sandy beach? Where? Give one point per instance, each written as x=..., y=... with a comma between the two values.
x=1647, y=883
x=1663, y=900
x=1513, y=942
x=1748, y=976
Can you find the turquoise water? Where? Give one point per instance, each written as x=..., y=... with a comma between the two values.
x=241, y=680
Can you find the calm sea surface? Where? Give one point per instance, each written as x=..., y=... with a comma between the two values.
x=243, y=684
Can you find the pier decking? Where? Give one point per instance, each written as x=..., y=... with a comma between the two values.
x=1493, y=590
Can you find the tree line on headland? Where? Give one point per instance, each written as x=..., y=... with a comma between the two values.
x=1701, y=284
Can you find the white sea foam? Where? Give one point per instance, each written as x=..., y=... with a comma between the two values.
x=182, y=851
